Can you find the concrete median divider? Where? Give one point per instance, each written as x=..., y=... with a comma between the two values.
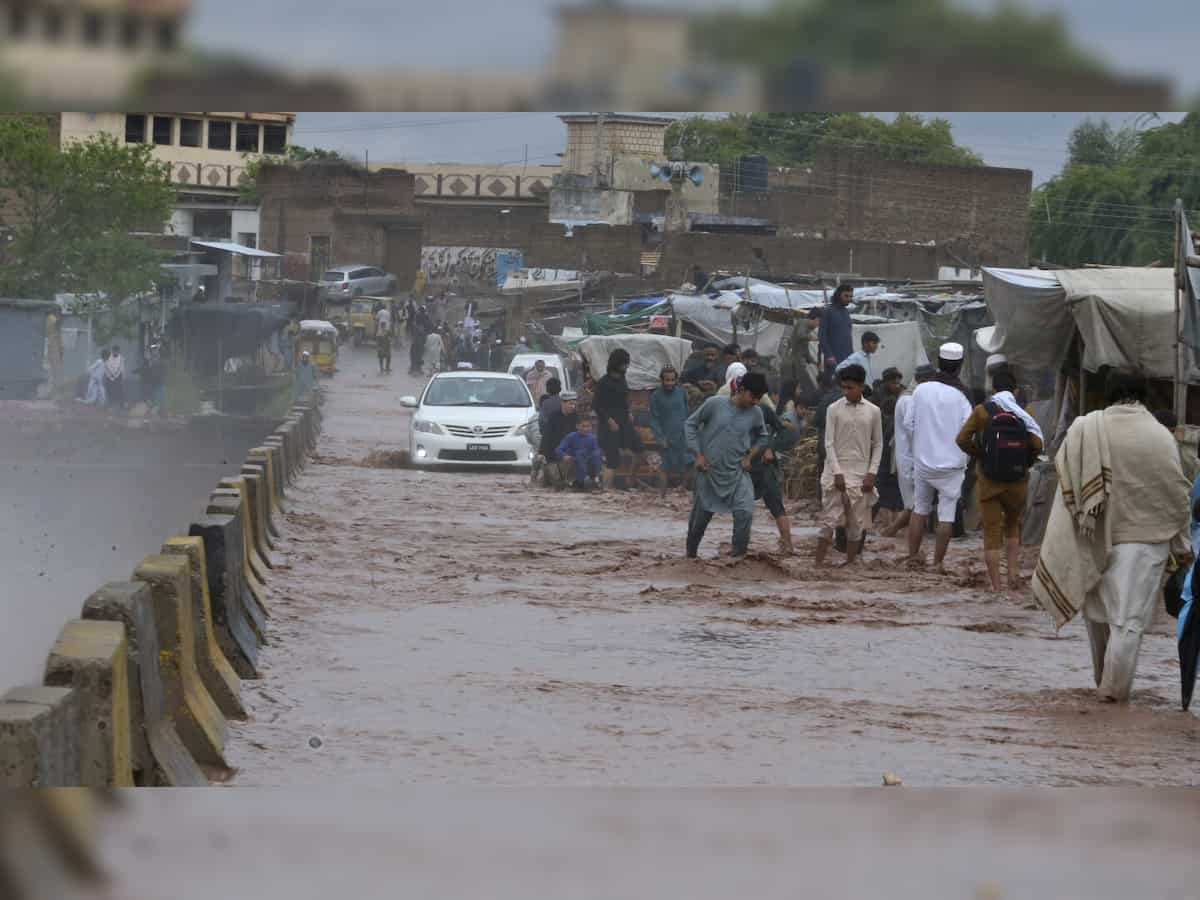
x=224, y=565
x=49, y=845
x=224, y=685
x=159, y=757
x=275, y=443
x=254, y=481
x=287, y=439
x=39, y=737
x=92, y=658
x=264, y=457
x=236, y=487
x=196, y=716
x=229, y=503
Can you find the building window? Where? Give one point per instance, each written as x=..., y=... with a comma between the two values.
x=131, y=31
x=274, y=138
x=212, y=224
x=55, y=24
x=93, y=29
x=163, y=126
x=247, y=138
x=166, y=35
x=220, y=134
x=190, y=132
x=135, y=129
x=18, y=21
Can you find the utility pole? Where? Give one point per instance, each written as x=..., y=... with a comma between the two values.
x=1183, y=243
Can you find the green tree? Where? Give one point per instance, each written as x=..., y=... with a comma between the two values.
x=77, y=212
x=874, y=33
x=791, y=139
x=1095, y=143
x=293, y=155
x=1086, y=215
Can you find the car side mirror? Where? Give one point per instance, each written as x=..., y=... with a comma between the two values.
x=408, y=402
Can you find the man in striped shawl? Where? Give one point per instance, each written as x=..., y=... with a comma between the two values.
x=1121, y=511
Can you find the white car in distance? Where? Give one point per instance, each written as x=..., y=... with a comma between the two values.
x=470, y=418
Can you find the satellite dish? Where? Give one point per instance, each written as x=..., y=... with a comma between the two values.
x=696, y=175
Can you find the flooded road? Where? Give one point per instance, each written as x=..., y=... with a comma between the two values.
x=458, y=627
x=86, y=497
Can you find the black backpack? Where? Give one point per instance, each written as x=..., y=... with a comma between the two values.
x=1005, y=445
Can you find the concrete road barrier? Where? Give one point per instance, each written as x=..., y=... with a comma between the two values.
x=275, y=442
x=48, y=845
x=197, y=718
x=254, y=479
x=224, y=565
x=265, y=457
x=216, y=673
x=158, y=754
x=229, y=503
x=236, y=487
x=39, y=737
x=92, y=658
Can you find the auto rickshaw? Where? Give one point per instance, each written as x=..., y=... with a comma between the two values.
x=338, y=314
x=362, y=318
x=319, y=338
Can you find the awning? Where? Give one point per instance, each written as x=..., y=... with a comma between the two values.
x=239, y=249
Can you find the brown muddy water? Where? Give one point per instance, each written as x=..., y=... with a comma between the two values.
x=422, y=842
x=459, y=627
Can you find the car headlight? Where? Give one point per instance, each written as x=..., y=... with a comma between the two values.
x=426, y=427
x=522, y=430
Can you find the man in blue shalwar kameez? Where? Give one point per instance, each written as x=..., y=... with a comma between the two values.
x=727, y=435
x=668, y=418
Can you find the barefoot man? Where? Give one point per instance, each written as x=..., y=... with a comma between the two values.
x=939, y=409
x=853, y=450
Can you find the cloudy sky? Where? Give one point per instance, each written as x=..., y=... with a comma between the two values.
x=1034, y=141
x=1155, y=37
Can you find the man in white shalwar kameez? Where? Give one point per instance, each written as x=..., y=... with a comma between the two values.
x=1122, y=509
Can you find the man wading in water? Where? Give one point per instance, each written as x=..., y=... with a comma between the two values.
x=727, y=435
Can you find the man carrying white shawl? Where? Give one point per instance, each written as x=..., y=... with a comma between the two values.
x=1120, y=511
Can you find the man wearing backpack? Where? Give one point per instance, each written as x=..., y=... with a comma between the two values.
x=1004, y=440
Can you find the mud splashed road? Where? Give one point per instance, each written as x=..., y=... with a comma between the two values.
x=458, y=627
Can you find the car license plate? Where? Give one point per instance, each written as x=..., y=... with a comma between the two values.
x=478, y=448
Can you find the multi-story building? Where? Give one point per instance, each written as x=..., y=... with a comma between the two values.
x=89, y=50
x=208, y=154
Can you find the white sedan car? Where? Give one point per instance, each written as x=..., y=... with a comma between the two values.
x=470, y=418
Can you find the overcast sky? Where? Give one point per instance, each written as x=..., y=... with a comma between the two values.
x=1035, y=141
x=1154, y=37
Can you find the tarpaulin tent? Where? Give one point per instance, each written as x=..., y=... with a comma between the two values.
x=212, y=333
x=648, y=353
x=900, y=345
x=1125, y=317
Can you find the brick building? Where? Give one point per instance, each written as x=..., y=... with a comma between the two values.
x=330, y=213
x=975, y=215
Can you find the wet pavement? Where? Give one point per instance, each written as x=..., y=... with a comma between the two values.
x=459, y=627
x=86, y=497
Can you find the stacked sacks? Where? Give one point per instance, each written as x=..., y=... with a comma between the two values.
x=138, y=690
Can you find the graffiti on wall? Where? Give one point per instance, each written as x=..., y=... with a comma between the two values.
x=468, y=268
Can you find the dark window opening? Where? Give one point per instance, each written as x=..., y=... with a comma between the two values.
x=212, y=224
x=247, y=138
x=55, y=24
x=274, y=138
x=135, y=129
x=93, y=29
x=166, y=36
x=18, y=21
x=131, y=31
x=162, y=130
x=219, y=135
x=190, y=131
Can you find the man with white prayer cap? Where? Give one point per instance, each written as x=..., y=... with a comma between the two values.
x=937, y=413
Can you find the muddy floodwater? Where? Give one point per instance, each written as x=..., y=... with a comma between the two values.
x=459, y=627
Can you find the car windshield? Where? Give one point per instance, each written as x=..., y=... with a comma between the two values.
x=476, y=392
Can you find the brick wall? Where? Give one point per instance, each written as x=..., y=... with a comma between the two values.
x=791, y=255
x=978, y=212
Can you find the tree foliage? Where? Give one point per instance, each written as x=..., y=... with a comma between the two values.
x=792, y=139
x=871, y=33
x=1112, y=203
x=76, y=213
x=293, y=155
